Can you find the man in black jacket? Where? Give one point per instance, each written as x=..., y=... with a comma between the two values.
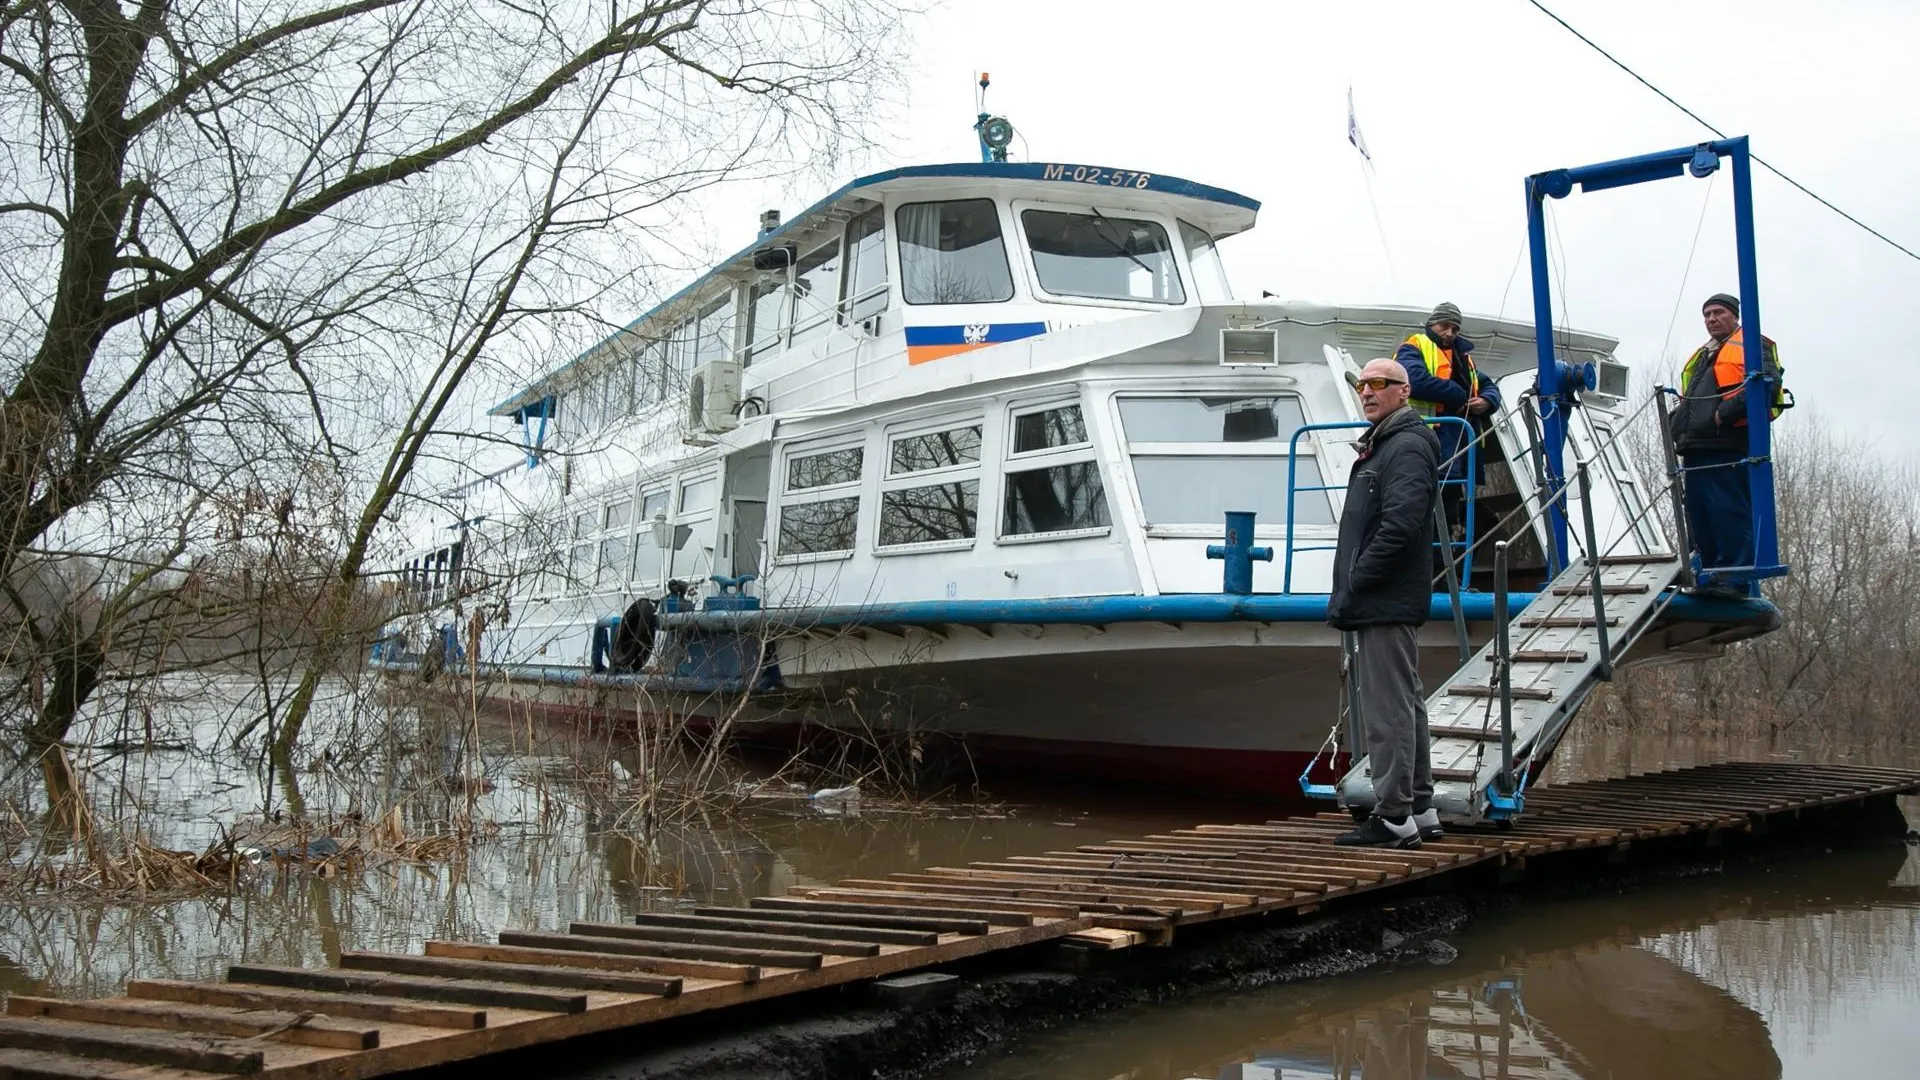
x=1381, y=592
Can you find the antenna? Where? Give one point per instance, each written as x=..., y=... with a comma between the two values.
x=995, y=132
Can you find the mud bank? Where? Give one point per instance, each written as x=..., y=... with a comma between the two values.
x=998, y=1000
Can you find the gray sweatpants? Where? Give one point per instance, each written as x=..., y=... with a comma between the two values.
x=1393, y=708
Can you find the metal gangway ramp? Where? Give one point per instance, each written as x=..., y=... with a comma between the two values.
x=1494, y=721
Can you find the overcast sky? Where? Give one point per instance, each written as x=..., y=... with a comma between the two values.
x=1458, y=102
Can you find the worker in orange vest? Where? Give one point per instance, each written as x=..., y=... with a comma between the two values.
x=1710, y=434
x=1445, y=382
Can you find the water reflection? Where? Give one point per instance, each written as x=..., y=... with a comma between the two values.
x=1718, y=978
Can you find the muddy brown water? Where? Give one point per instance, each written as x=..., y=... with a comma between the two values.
x=1808, y=968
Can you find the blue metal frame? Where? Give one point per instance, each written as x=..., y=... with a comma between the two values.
x=1699, y=160
x=1293, y=458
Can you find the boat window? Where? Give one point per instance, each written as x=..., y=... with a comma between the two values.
x=583, y=523
x=1209, y=273
x=952, y=253
x=618, y=514
x=652, y=505
x=1195, y=457
x=812, y=528
x=929, y=513
x=1053, y=484
x=767, y=304
x=1226, y=418
x=816, y=279
x=863, y=288
x=824, y=470
x=580, y=568
x=616, y=563
x=648, y=372
x=932, y=491
x=1199, y=490
x=935, y=450
x=1103, y=257
x=820, y=506
x=713, y=340
x=1049, y=428
x=696, y=495
x=1058, y=498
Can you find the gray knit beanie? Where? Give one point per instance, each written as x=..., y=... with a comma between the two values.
x=1445, y=311
x=1731, y=303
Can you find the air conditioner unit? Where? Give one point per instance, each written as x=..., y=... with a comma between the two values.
x=712, y=394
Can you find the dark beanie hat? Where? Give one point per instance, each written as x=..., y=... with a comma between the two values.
x=1445, y=311
x=1731, y=303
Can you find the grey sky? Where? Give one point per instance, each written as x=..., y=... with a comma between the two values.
x=1458, y=102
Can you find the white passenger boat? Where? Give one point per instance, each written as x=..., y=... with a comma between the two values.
x=945, y=453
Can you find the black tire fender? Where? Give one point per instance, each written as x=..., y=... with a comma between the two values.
x=633, y=638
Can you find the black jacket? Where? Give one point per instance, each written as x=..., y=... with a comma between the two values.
x=1383, y=563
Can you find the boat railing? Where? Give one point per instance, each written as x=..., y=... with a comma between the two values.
x=1459, y=552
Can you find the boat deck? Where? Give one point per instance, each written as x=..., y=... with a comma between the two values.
x=373, y=1014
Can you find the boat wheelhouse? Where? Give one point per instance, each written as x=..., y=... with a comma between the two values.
x=967, y=435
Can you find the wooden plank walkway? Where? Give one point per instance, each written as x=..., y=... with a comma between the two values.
x=375, y=1013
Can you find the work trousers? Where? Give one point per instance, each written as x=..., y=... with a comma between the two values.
x=1719, y=507
x=1393, y=711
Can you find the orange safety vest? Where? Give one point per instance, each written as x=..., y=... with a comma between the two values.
x=1730, y=369
x=1439, y=363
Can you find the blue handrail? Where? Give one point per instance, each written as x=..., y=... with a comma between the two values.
x=1293, y=488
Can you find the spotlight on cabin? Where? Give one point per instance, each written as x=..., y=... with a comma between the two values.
x=777, y=257
x=1249, y=347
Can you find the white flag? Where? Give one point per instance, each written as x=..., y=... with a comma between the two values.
x=1358, y=140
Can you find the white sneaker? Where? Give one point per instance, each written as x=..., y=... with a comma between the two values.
x=1428, y=822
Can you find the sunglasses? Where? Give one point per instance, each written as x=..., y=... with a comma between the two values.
x=1377, y=383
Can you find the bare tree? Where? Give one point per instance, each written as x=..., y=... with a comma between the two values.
x=245, y=240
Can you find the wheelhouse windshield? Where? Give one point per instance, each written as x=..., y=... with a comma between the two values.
x=1104, y=257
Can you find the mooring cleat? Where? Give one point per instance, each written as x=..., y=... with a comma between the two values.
x=1379, y=832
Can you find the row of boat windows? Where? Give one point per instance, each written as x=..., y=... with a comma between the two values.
x=950, y=252
x=1193, y=459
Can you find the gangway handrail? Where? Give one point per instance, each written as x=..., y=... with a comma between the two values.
x=1294, y=489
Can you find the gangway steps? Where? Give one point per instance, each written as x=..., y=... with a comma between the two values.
x=1549, y=656
x=1556, y=660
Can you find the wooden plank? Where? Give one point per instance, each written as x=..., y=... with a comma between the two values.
x=1174, y=897
x=1087, y=898
x=900, y=904
x=1520, y=693
x=970, y=925
x=1455, y=731
x=571, y=978
x=41, y=1065
x=766, y=958
x=1254, y=866
x=1637, y=558
x=607, y=959
x=305, y=1028
x=823, y=931
x=353, y=1006
x=638, y=954
x=1455, y=774
x=765, y=939
x=901, y=894
x=1549, y=656
x=1041, y=877
x=1262, y=885
x=1106, y=938
x=132, y=1045
x=494, y=995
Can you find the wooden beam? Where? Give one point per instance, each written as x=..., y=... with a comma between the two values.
x=823, y=931
x=927, y=905
x=762, y=938
x=594, y=961
x=162, y=1048
x=572, y=978
x=786, y=958
x=970, y=926
x=304, y=1028
x=355, y=1006
x=635, y=954
x=494, y=995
